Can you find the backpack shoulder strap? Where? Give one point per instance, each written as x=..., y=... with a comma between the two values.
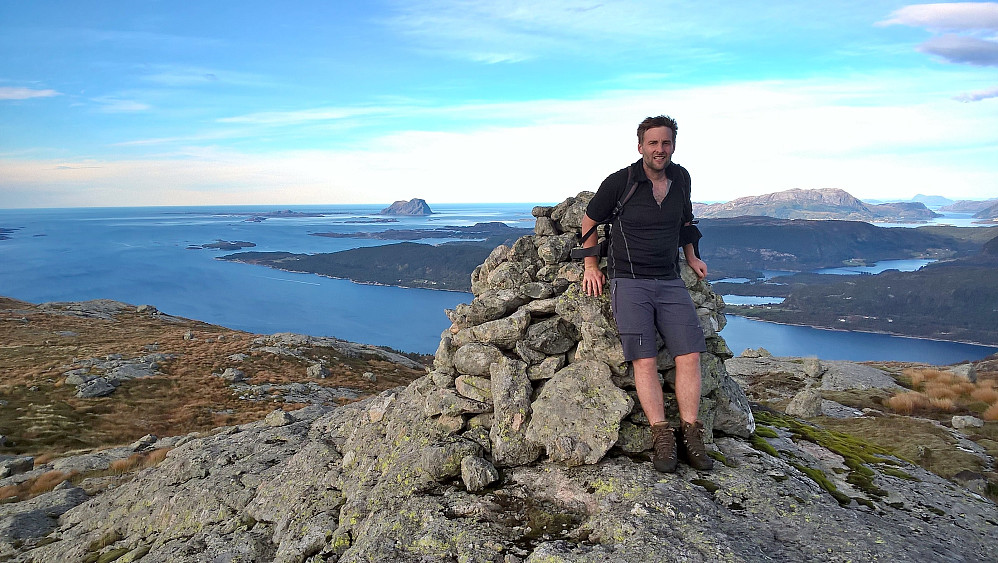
x=630, y=187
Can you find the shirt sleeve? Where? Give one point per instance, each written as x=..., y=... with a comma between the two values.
x=601, y=206
x=688, y=204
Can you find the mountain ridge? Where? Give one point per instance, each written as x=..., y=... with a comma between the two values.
x=824, y=203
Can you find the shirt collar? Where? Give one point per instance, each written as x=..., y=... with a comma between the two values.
x=638, y=171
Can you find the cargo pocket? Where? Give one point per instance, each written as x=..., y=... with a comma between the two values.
x=631, y=342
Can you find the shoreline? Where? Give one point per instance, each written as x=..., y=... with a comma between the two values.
x=885, y=333
x=346, y=279
x=817, y=327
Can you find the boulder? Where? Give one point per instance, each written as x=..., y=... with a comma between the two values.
x=577, y=415
x=475, y=358
x=806, y=404
x=233, y=375
x=966, y=371
x=96, y=387
x=317, y=371
x=842, y=376
x=511, y=395
x=961, y=422
x=477, y=473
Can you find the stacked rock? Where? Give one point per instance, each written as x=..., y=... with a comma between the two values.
x=539, y=365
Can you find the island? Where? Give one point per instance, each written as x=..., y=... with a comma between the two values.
x=222, y=245
x=486, y=230
x=415, y=206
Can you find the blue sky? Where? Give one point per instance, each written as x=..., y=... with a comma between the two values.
x=165, y=103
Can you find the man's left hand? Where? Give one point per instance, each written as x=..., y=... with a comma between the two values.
x=699, y=267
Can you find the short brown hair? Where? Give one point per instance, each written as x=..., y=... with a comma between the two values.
x=658, y=121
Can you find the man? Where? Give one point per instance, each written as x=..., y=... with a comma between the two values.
x=648, y=295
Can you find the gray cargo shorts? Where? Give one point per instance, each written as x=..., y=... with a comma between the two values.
x=643, y=308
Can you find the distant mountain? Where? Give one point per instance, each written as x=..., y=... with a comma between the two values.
x=414, y=206
x=987, y=213
x=828, y=203
x=968, y=205
x=932, y=200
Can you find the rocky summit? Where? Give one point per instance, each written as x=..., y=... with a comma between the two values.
x=523, y=444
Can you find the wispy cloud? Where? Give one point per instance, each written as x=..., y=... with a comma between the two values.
x=185, y=76
x=303, y=116
x=13, y=93
x=108, y=104
x=967, y=30
x=978, y=95
x=520, y=30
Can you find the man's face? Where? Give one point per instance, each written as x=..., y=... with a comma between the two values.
x=657, y=147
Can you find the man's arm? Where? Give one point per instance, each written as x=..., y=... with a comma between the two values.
x=592, y=279
x=698, y=265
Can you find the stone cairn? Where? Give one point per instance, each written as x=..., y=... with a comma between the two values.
x=538, y=364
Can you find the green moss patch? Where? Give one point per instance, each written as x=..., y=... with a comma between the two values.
x=857, y=454
x=922, y=442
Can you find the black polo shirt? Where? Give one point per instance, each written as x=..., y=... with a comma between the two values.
x=644, y=239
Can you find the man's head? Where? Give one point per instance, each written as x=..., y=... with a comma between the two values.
x=657, y=142
x=659, y=121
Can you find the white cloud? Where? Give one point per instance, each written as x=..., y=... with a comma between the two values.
x=957, y=16
x=13, y=93
x=874, y=136
x=968, y=30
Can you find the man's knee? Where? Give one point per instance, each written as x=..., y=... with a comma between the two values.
x=644, y=366
x=692, y=357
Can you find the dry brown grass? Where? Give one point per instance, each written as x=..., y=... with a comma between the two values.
x=985, y=394
x=34, y=487
x=138, y=461
x=908, y=403
x=940, y=391
x=186, y=398
x=943, y=404
x=936, y=391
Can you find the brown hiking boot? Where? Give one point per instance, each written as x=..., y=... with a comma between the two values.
x=664, y=447
x=696, y=453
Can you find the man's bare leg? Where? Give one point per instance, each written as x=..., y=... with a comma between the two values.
x=664, y=454
x=688, y=397
x=687, y=386
x=649, y=389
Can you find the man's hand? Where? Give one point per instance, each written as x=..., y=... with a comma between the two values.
x=592, y=281
x=698, y=265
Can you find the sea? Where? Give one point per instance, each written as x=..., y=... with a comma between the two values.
x=156, y=256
